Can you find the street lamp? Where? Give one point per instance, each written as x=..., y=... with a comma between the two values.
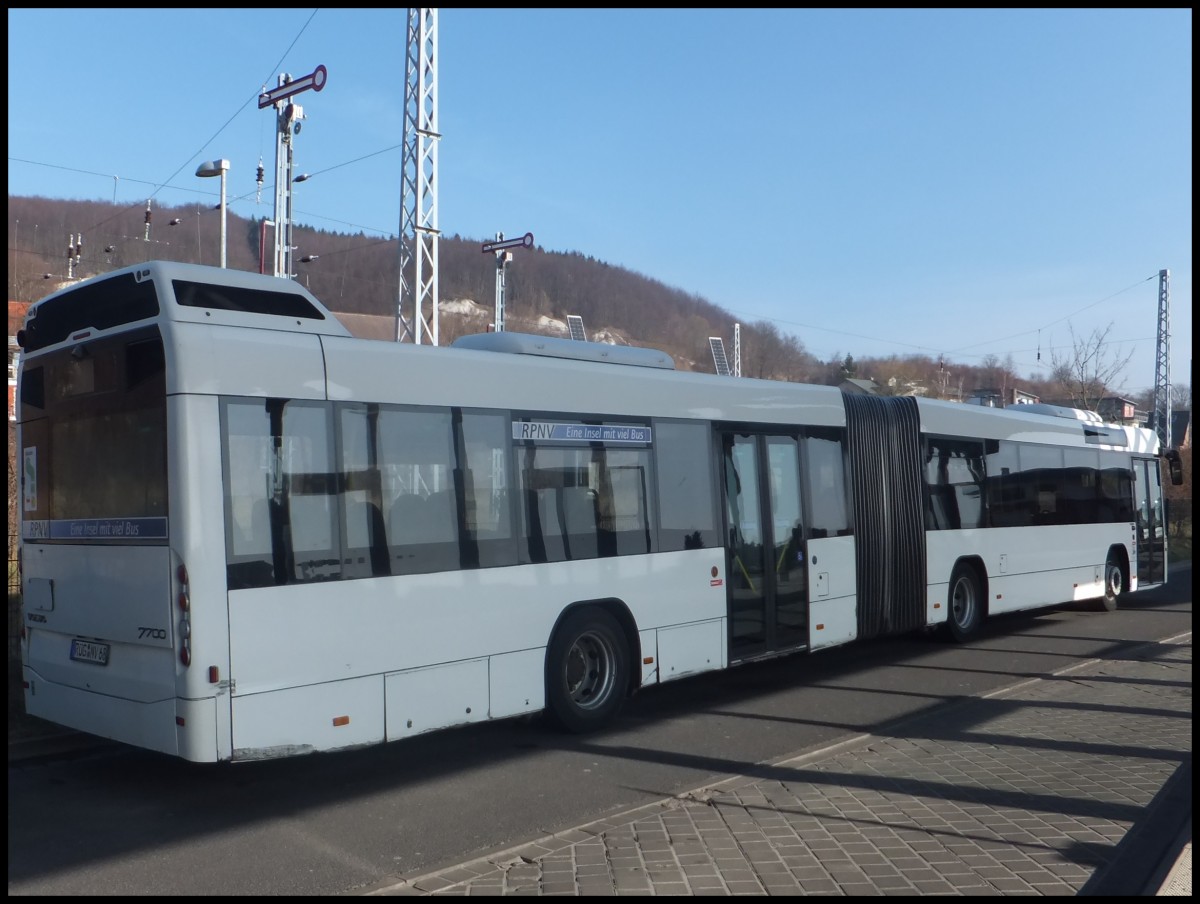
x=217, y=168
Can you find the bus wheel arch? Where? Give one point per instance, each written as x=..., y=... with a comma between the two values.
x=1116, y=577
x=590, y=664
x=966, y=599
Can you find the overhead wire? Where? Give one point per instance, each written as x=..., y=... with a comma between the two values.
x=159, y=186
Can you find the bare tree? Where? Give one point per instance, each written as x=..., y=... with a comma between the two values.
x=1179, y=499
x=1091, y=369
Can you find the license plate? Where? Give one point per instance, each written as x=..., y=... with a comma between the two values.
x=89, y=651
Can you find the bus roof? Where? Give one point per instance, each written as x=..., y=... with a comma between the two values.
x=574, y=349
x=187, y=292
x=501, y=369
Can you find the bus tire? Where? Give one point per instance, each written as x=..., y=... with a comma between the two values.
x=965, y=602
x=587, y=670
x=1114, y=584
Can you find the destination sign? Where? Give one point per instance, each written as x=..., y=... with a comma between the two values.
x=96, y=529
x=545, y=431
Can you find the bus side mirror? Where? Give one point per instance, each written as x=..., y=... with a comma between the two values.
x=1174, y=466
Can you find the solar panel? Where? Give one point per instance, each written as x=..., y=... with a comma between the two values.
x=575, y=325
x=718, y=353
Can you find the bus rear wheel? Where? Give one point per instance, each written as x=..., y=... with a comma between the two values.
x=965, y=602
x=587, y=671
x=1114, y=584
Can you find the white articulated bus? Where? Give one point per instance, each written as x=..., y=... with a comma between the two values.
x=248, y=534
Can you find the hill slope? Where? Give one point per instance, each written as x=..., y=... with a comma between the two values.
x=356, y=276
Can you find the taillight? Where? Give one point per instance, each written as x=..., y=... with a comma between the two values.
x=184, y=600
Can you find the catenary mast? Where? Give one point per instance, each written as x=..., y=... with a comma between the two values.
x=418, y=289
x=1162, y=362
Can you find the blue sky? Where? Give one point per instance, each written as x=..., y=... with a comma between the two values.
x=955, y=182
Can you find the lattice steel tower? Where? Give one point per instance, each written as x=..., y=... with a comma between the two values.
x=1162, y=363
x=418, y=185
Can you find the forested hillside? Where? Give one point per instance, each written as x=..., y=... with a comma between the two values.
x=357, y=274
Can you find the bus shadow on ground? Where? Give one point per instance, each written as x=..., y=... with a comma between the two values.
x=230, y=796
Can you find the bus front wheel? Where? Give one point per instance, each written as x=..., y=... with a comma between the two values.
x=966, y=604
x=587, y=670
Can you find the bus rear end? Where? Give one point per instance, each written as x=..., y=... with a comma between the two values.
x=98, y=578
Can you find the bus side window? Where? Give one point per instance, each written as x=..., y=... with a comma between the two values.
x=954, y=482
x=1004, y=486
x=624, y=516
x=256, y=537
x=1080, y=486
x=406, y=520
x=482, y=442
x=1116, y=489
x=684, y=470
x=248, y=468
x=440, y=526
x=311, y=499
x=1042, y=469
x=584, y=501
x=416, y=452
x=825, y=484
x=579, y=521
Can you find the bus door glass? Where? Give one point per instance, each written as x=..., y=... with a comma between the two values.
x=1151, y=538
x=768, y=590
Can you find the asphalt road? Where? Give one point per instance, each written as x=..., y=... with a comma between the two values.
x=112, y=820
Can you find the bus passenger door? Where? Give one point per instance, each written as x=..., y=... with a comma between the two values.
x=1151, y=534
x=765, y=567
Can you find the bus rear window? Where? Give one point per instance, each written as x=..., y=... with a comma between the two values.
x=249, y=301
x=95, y=457
x=99, y=305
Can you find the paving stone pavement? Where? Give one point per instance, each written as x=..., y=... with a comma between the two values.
x=1077, y=783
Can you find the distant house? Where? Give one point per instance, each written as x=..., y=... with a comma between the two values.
x=990, y=397
x=1112, y=409
x=1117, y=410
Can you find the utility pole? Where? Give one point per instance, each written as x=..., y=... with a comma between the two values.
x=1162, y=363
x=503, y=259
x=418, y=282
x=287, y=126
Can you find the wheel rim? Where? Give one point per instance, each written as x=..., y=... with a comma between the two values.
x=962, y=602
x=590, y=670
x=1116, y=581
